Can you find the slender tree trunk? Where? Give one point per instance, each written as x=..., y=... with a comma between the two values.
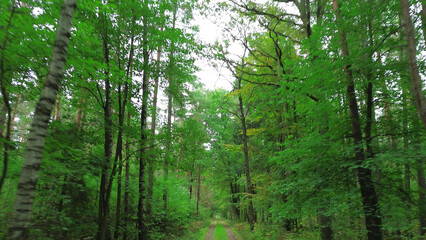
x=169, y=116
x=150, y=190
x=3, y=115
x=6, y=102
x=371, y=206
x=250, y=190
x=21, y=214
x=142, y=157
x=58, y=107
x=198, y=186
x=119, y=158
x=416, y=82
x=103, y=214
x=423, y=16
x=325, y=222
x=79, y=112
x=422, y=196
x=118, y=216
x=12, y=120
x=168, y=140
x=119, y=149
x=126, y=184
x=180, y=145
x=191, y=178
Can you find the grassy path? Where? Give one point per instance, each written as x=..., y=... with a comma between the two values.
x=229, y=232
x=220, y=231
x=210, y=234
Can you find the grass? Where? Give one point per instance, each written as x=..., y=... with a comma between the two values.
x=220, y=232
x=202, y=233
x=197, y=230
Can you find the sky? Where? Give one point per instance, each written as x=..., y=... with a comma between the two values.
x=209, y=33
x=211, y=28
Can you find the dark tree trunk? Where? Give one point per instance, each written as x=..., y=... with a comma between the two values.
x=325, y=222
x=6, y=102
x=122, y=102
x=151, y=162
x=126, y=184
x=423, y=16
x=250, y=190
x=142, y=155
x=422, y=196
x=169, y=115
x=103, y=213
x=371, y=206
x=198, y=186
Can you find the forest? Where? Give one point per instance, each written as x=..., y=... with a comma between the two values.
x=108, y=131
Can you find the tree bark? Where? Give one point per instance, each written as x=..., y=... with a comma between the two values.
x=12, y=120
x=371, y=206
x=119, y=150
x=126, y=183
x=250, y=190
x=21, y=214
x=325, y=222
x=416, y=82
x=142, y=155
x=169, y=115
x=6, y=102
x=198, y=186
x=423, y=17
x=103, y=211
x=150, y=190
x=422, y=196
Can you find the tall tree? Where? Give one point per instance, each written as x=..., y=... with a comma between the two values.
x=21, y=215
x=369, y=196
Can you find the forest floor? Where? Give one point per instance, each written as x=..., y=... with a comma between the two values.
x=211, y=233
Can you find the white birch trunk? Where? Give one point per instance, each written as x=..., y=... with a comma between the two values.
x=21, y=215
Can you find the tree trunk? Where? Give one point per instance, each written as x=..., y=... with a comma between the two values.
x=422, y=196
x=58, y=107
x=119, y=150
x=6, y=102
x=169, y=116
x=180, y=145
x=103, y=211
x=21, y=214
x=151, y=163
x=371, y=206
x=126, y=184
x=423, y=16
x=142, y=157
x=250, y=189
x=12, y=120
x=325, y=225
x=416, y=82
x=198, y=186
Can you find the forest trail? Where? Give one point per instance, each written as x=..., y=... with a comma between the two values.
x=229, y=232
x=230, y=235
x=210, y=234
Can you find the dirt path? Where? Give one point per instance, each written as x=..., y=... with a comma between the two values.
x=210, y=234
x=231, y=235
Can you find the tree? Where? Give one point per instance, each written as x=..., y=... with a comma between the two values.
x=21, y=216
